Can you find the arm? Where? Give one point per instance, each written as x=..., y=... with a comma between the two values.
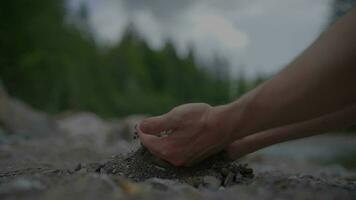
x=329, y=122
x=320, y=81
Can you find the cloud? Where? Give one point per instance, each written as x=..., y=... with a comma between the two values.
x=210, y=33
x=261, y=35
x=108, y=19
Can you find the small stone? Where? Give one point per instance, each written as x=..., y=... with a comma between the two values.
x=22, y=184
x=161, y=163
x=246, y=172
x=193, y=181
x=211, y=182
x=225, y=171
x=228, y=180
x=238, y=178
x=56, y=171
x=160, y=168
x=78, y=167
x=82, y=171
x=129, y=187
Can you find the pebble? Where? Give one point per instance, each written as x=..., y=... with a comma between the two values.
x=193, y=181
x=20, y=185
x=161, y=163
x=78, y=167
x=225, y=171
x=211, y=182
x=82, y=171
x=238, y=178
x=160, y=168
x=228, y=180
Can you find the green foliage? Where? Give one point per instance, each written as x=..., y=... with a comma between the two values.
x=55, y=67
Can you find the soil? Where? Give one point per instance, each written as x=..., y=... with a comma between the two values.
x=72, y=168
x=142, y=165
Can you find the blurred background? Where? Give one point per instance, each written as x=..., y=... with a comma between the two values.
x=119, y=57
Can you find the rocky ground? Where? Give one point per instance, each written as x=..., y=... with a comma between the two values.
x=85, y=157
x=73, y=167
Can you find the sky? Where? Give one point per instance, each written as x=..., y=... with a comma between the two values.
x=255, y=36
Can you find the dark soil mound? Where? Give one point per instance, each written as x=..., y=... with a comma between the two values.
x=141, y=165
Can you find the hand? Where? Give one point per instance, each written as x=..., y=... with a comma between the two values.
x=197, y=131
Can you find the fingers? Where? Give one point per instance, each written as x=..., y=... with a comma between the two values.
x=152, y=142
x=155, y=125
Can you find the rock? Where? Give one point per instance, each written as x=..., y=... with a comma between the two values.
x=161, y=163
x=78, y=167
x=82, y=171
x=83, y=123
x=211, y=182
x=130, y=187
x=85, y=126
x=161, y=184
x=229, y=179
x=238, y=178
x=94, y=167
x=225, y=171
x=21, y=185
x=89, y=126
x=246, y=171
x=193, y=181
x=19, y=118
x=90, y=187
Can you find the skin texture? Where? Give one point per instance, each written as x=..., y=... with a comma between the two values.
x=316, y=84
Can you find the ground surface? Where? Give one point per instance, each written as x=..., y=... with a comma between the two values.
x=68, y=167
x=81, y=156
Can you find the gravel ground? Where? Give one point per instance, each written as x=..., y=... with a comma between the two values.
x=71, y=168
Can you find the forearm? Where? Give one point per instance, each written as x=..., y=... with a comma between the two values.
x=320, y=81
x=329, y=122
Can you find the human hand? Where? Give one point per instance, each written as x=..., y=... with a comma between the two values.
x=197, y=131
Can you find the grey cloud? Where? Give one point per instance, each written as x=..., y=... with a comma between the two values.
x=162, y=9
x=275, y=30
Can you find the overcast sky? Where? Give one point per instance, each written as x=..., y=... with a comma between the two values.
x=260, y=36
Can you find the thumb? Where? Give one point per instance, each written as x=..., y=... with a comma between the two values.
x=155, y=125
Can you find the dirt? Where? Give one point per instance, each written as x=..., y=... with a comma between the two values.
x=81, y=156
x=72, y=168
x=141, y=165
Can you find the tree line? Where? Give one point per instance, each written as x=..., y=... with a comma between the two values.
x=54, y=66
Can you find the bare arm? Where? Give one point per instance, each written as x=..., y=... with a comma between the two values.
x=329, y=122
x=320, y=81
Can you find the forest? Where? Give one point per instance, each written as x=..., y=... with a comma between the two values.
x=57, y=66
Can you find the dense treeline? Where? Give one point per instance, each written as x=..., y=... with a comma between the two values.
x=54, y=66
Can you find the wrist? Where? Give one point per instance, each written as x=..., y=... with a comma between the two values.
x=227, y=121
x=236, y=118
